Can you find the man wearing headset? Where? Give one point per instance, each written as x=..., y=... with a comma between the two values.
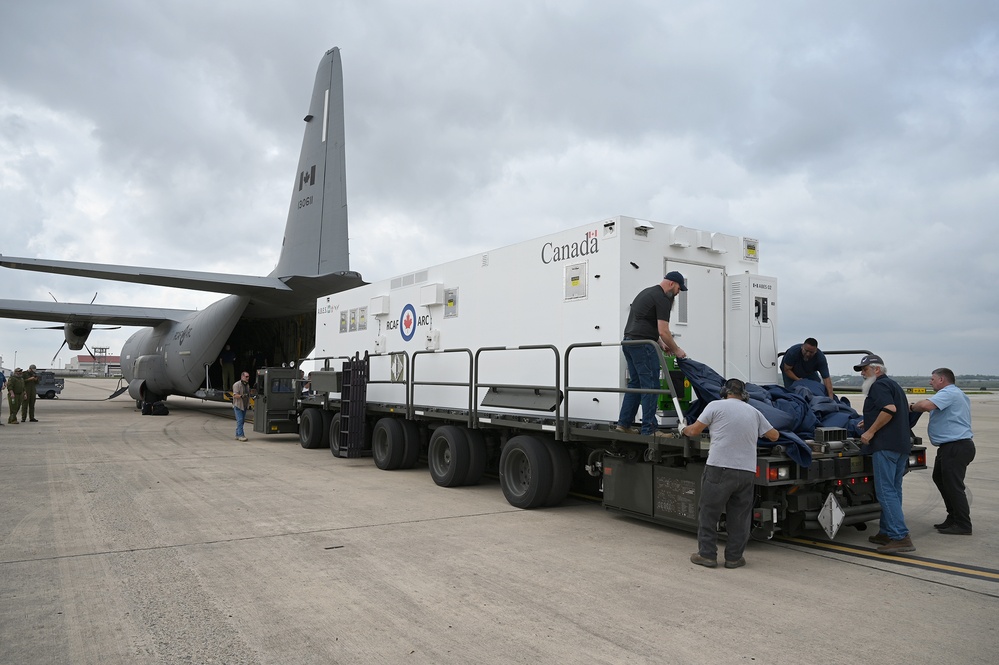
x=727, y=482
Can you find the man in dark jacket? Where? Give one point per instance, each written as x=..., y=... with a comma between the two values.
x=885, y=429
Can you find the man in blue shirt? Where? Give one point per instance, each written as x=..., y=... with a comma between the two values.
x=950, y=432
x=805, y=361
x=886, y=431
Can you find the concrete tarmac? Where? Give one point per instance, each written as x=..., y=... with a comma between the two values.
x=144, y=539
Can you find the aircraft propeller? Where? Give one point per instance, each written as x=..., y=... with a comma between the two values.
x=79, y=331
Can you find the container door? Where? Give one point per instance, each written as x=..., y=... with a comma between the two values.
x=698, y=317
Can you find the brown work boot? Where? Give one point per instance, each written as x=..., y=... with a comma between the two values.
x=703, y=560
x=879, y=539
x=898, y=546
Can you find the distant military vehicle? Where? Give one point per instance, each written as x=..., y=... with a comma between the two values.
x=48, y=385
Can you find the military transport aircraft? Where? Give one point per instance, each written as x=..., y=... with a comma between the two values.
x=273, y=317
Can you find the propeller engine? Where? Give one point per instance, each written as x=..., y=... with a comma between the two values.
x=75, y=332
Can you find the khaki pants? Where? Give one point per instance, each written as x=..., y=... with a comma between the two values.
x=28, y=406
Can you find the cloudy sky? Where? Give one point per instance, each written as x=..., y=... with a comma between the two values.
x=858, y=141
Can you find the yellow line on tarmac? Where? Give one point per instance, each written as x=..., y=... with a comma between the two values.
x=949, y=567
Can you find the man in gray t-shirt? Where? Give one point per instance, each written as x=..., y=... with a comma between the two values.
x=727, y=482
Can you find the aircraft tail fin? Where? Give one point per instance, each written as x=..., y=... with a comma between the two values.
x=315, y=237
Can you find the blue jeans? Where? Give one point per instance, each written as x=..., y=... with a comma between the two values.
x=240, y=419
x=643, y=372
x=889, y=468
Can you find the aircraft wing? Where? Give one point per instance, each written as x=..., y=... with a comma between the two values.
x=67, y=312
x=240, y=285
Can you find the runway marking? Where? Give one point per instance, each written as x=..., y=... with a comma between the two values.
x=908, y=560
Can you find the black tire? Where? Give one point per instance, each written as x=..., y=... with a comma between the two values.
x=476, y=456
x=525, y=471
x=335, y=435
x=310, y=429
x=388, y=444
x=561, y=472
x=50, y=394
x=447, y=456
x=327, y=420
x=413, y=443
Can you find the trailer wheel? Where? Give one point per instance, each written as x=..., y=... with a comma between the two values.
x=310, y=429
x=448, y=456
x=412, y=444
x=561, y=472
x=525, y=471
x=50, y=394
x=335, y=435
x=327, y=421
x=388, y=444
x=476, y=456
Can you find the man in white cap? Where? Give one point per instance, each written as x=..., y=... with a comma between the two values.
x=886, y=430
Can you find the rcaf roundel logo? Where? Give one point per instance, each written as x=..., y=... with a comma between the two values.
x=407, y=322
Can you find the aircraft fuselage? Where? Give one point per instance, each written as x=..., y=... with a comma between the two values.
x=171, y=357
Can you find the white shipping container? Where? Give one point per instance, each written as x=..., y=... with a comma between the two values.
x=569, y=287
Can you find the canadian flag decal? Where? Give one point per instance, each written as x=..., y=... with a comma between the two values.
x=307, y=178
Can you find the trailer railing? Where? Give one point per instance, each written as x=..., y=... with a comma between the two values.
x=450, y=384
x=537, y=389
x=554, y=397
x=569, y=388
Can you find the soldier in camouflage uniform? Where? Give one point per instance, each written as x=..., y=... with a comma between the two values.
x=30, y=394
x=15, y=393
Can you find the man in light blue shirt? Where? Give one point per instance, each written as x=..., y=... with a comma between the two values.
x=950, y=431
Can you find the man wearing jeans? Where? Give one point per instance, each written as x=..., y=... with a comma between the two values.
x=886, y=430
x=648, y=319
x=241, y=402
x=727, y=485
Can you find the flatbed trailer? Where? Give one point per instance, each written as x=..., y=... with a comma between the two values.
x=540, y=458
x=510, y=362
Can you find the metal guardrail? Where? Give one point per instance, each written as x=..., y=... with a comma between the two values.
x=453, y=384
x=475, y=382
x=664, y=369
x=529, y=347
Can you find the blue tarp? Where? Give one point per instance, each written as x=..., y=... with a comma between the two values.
x=791, y=412
x=794, y=412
